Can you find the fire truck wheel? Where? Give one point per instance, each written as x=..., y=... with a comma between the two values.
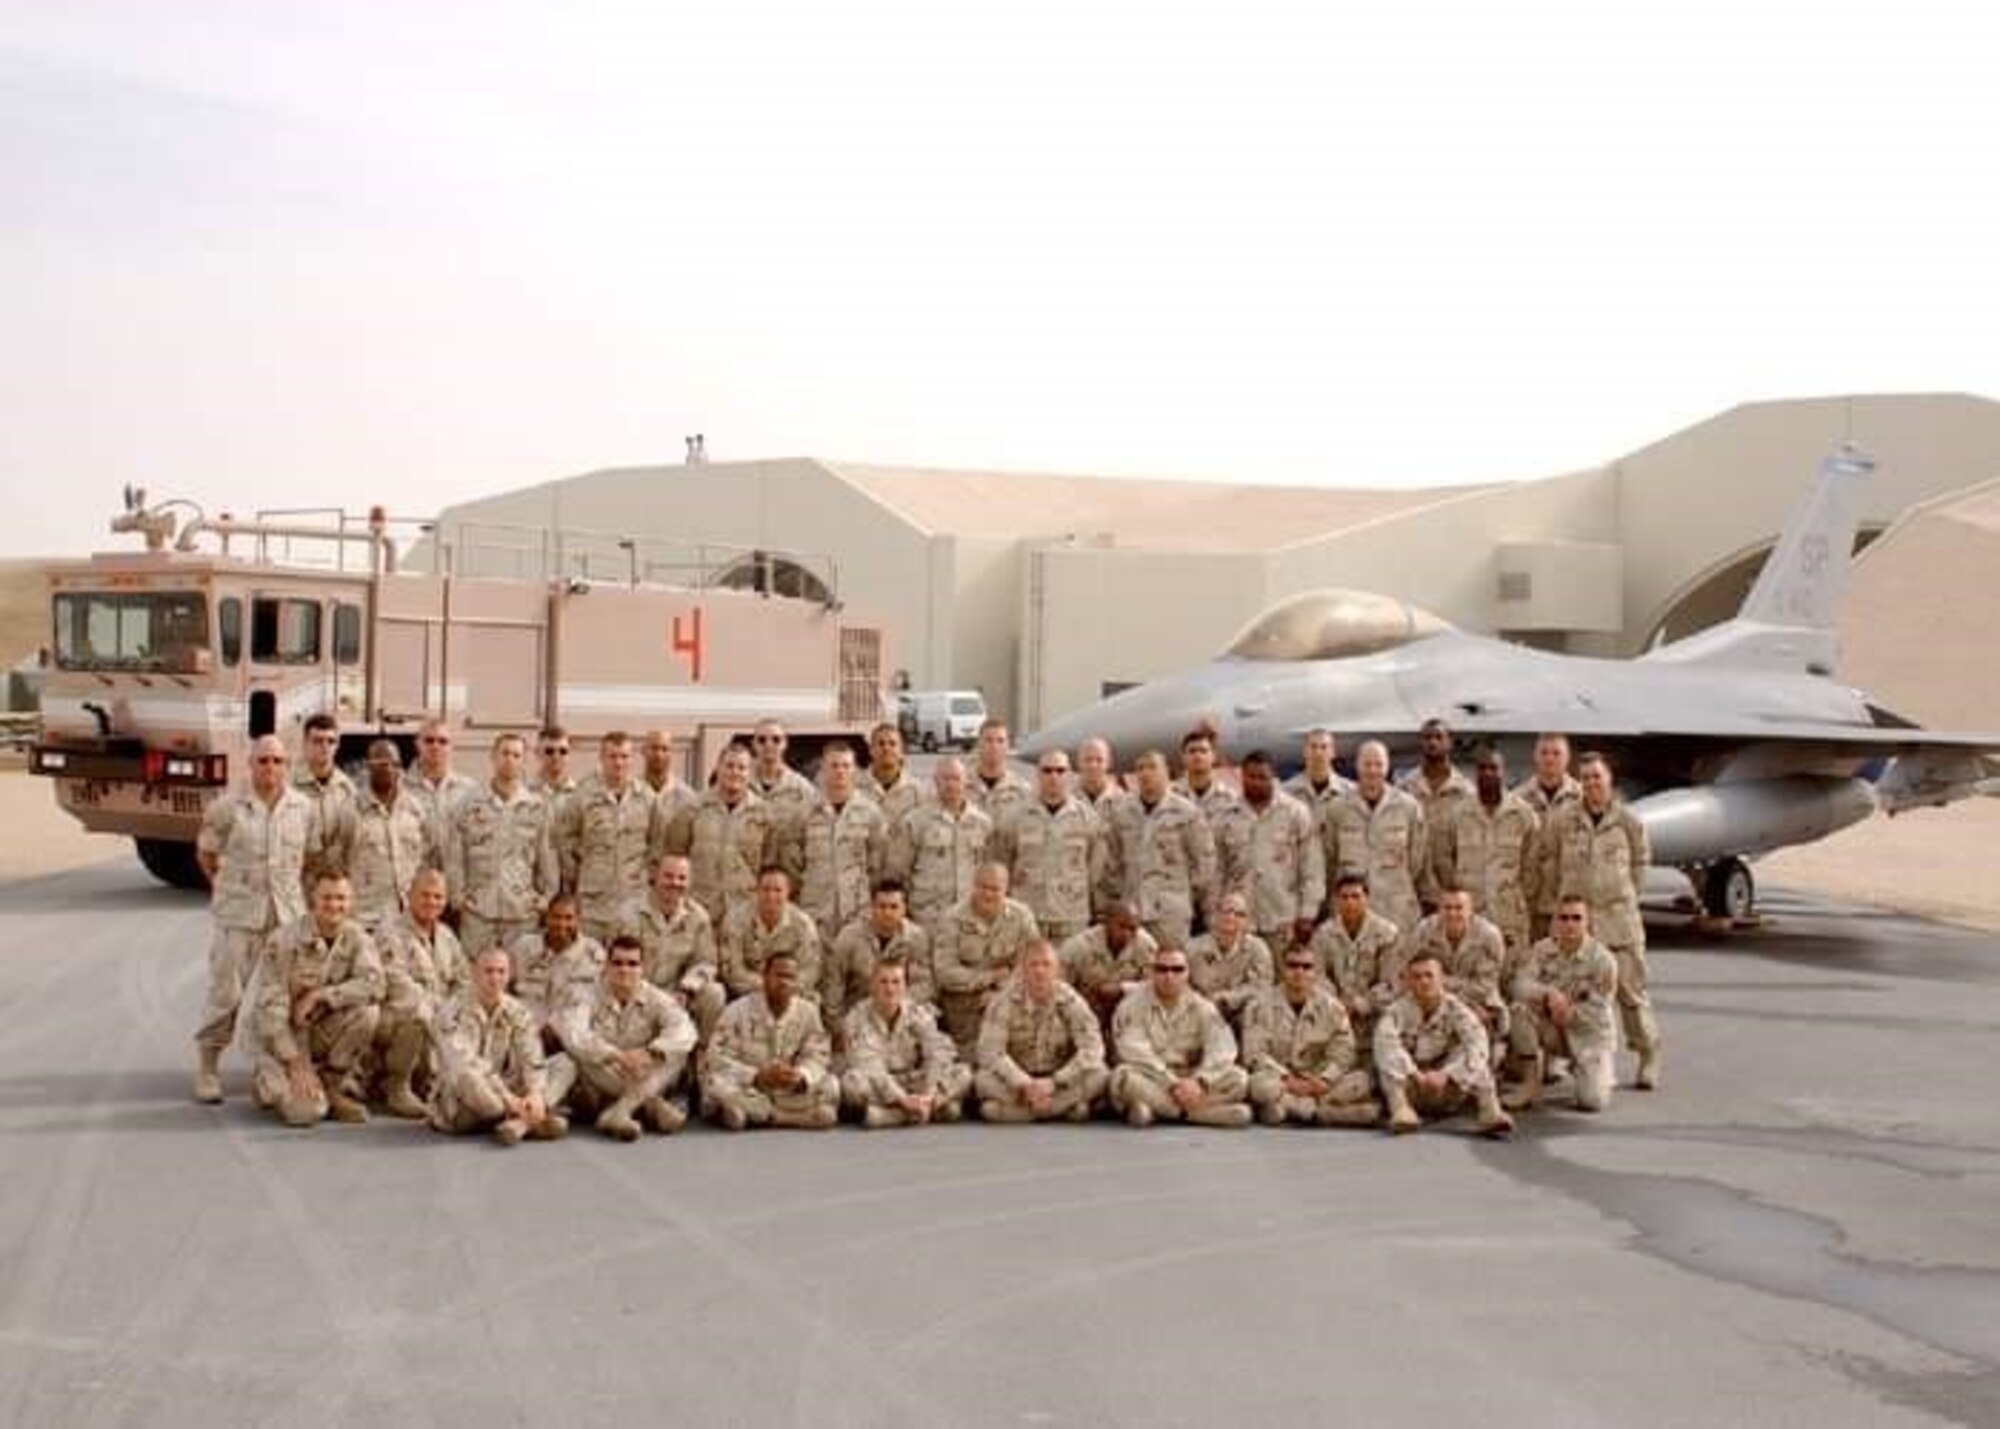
x=171, y=862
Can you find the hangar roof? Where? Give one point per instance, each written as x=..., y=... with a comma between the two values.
x=1143, y=514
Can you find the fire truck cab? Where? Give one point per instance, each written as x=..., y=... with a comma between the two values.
x=168, y=661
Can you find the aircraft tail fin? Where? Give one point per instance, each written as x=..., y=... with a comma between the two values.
x=1789, y=618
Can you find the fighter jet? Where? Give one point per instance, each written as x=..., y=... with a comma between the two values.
x=1730, y=743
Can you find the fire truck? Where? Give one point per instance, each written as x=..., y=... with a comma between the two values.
x=167, y=661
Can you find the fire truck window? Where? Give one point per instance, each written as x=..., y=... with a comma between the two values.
x=229, y=621
x=347, y=635
x=159, y=630
x=284, y=632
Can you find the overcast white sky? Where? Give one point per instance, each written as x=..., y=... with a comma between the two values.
x=279, y=254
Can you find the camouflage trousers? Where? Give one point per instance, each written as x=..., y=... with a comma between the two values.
x=1080, y=1090
x=232, y=958
x=336, y=1042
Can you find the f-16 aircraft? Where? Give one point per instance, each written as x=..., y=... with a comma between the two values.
x=1730, y=743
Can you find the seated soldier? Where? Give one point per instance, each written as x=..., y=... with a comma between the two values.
x=979, y=940
x=317, y=1009
x=491, y=1073
x=625, y=1048
x=1431, y=1055
x=1472, y=951
x=885, y=934
x=1176, y=1054
x=421, y=958
x=771, y=923
x=1299, y=1048
x=1230, y=965
x=1109, y=960
x=1041, y=1054
x=900, y=1069
x=768, y=1063
x=556, y=967
x=1358, y=954
x=1564, y=1006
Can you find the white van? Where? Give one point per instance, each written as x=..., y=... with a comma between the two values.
x=941, y=719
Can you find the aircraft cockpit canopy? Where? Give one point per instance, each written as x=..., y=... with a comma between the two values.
x=1333, y=625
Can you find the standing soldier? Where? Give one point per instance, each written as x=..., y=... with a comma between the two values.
x=769, y=925
x=1318, y=784
x=1041, y=1055
x=900, y=1069
x=979, y=944
x=1053, y=846
x=1440, y=791
x=253, y=847
x=677, y=939
x=1108, y=961
x=425, y=970
x=1488, y=848
x=500, y=856
x=1431, y=1056
x=885, y=935
x=1358, y=950
x=1563, y=995
x=1597, y=847
x=840, y=846
x=1230, y=965
x=1176, y=1054
x=331, y=793
x=786, y=793
x=888, y=780
x=1379, y=830
x=1198, y=784
x=938, y=847
x=1162, y=854
x=491, y=1069
x=318, y=1003
x=436, y=786
x=670, y=792
x=625, y=1048
x=994, y=786
x=604, y=834
x=769, y=1064
x=1265, y=849
x=388, y=840
x=1546, y=790
x=1094, y=782
x=552, y=780
x=1298, y=1046
x=727, y=838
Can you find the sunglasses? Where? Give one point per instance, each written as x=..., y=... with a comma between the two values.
x=1169, y=967
x=270, y=759
x=768, y=739
x=433, y=739
x=1569, y=917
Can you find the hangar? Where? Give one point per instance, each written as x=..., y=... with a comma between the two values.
x=1047, y=591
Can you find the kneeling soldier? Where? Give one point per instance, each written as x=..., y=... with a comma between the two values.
x=901, y=1070
x=1299, y=1046
x=1563, y=1000
x=320, y=1000
x=624, y=1049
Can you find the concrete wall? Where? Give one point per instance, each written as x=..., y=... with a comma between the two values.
x=1092, y=616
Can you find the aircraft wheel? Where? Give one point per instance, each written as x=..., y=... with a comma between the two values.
x=172, y=862
x=929, y=743
x=1728, y=890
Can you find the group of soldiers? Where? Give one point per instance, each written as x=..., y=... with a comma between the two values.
x=770, y=950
